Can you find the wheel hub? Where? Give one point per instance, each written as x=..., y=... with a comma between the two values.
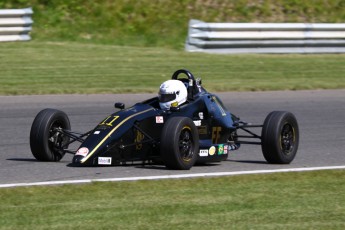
x=185, y=145
x=287, y=139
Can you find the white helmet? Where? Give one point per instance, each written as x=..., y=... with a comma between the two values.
x=172, y=93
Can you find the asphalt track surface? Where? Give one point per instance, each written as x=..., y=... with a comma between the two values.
x=320, y=115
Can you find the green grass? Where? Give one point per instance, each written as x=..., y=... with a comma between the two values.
x=72, y=64
x=67, y=67
x=161, y=22
x=310, y=200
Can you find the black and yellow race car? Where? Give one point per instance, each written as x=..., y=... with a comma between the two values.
x=200, y=130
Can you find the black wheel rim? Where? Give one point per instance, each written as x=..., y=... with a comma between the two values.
x=56, y=138
x=186, y=145
x=287, y=139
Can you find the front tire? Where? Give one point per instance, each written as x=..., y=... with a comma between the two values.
x=46, y=141
x=280, y=137
x=179, y=143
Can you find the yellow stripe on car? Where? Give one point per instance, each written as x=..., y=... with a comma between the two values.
x=111, y=132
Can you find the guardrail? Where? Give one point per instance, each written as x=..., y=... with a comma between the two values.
x=15, y=24
x=265, y=37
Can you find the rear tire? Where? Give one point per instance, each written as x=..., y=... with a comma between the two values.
x=179, y=143
x=45, y=142
x=280, y=137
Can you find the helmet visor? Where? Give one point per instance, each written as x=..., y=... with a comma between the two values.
x=166, y=97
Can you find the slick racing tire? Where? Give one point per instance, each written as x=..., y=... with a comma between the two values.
x=45, y=141
x=280, y=137
x=179, y=145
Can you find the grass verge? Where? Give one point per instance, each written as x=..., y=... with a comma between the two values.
x=309, y=200
x=161, y=22
x=67, y=67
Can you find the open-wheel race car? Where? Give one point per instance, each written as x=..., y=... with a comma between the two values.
x=180, y=127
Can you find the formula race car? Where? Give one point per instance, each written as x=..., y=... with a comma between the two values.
x=182, y=126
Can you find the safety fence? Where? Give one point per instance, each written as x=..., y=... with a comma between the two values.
x=15, y=24
x=265, y=37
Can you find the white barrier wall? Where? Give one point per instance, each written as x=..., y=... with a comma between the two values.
x=15, y=24
x=265, y=37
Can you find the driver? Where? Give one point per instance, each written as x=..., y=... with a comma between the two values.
x=172, y=93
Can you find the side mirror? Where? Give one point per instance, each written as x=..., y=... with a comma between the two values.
x=119, y=105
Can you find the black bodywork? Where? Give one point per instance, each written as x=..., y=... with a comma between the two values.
x=135, y=133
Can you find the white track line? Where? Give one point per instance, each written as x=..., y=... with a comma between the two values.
x=215, y=174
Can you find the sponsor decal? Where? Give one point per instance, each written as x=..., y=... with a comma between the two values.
x=104, y=160
x=138, y=139
x=203, y=152
x=97, y=132
x=226, y=149
x=82, y=152
x=202, y=130
x=220, y=149
x=159, y=120
x=201, y=115
x=197, y=123
x=220, y=107
x=212, y=150
x=234, y=147
x=231, y=148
